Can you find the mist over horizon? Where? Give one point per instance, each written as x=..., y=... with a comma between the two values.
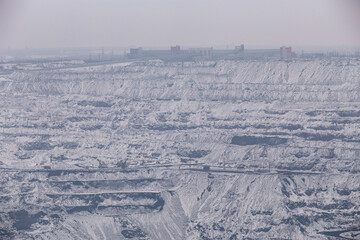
x=309, y=25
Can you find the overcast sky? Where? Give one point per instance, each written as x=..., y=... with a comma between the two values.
x=160, y=23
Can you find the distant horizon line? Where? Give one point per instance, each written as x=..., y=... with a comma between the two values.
x=186, y=47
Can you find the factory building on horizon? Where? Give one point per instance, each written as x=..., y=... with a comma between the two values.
x=202, y=51
x=135, y=52
x=240, y=49
x=175, y=49
x=285, y=52
x=239, y=52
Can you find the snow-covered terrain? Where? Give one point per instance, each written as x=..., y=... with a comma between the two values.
x=180, y=150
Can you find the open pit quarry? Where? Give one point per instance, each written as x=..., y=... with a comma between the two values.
x=225, y=149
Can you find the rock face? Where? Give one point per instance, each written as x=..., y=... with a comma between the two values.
x=181, y=150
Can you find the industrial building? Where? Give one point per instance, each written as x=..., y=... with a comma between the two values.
x=201, y=51
x=285, y=52
x=175, y=49
x=136, y=52
x=240, y=49
x=176, y=54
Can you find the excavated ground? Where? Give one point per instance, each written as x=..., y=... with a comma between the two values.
x=181, y=150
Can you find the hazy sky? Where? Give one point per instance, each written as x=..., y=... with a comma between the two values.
x=156, y=23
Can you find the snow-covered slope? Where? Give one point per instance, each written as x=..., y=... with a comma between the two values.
x=181, y=150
